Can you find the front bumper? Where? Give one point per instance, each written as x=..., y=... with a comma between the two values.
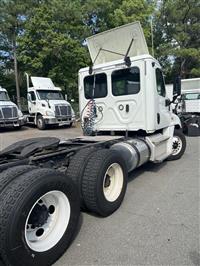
x=12, y=122
x=58, y=120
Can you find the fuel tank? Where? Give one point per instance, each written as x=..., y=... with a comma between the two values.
x=134, y=151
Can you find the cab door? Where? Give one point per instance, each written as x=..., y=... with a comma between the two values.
x=163, y=111
x=32, y=106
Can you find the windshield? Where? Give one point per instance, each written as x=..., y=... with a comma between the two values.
x=4, y=96
x=191, y=96
x=50, y=95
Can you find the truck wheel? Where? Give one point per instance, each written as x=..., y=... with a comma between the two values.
x=40, y=122
x=76, y=169
x=18, y=127
x=178, y=145
x=39, y=213
x=10, y=174
x=104, y=182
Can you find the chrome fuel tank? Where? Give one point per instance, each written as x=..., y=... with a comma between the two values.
x=134, y=151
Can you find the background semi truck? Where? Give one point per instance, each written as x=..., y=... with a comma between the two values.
x=10, y=114
x=187, y=105
x=46, y=104
x=126, y=120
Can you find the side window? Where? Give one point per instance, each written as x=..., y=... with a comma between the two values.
x=97, y=85
x=191, y=96
x=126, y=81
x=32, y=96
x=160, y=83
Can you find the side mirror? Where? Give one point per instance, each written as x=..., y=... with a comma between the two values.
x=177, y=87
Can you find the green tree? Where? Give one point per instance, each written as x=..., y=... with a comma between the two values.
x=106, y=14
x=52, y=44
x=13, y=13
x=177, y=40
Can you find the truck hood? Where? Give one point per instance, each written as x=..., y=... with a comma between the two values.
x=57, y=102
x=7, y=103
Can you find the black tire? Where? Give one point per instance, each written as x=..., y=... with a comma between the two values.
x=16, y=202
x=179, y=145
x=10, y=174
x=93, y=182
x=18, y=127
x=68, y=126
x=40, y=122
x=76, y=169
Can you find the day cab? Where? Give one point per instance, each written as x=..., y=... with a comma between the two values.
x=128, y=88
x=46, y=104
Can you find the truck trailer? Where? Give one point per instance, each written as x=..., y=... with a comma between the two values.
x=126, y=122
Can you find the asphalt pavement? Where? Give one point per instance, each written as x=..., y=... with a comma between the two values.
x=157, y=223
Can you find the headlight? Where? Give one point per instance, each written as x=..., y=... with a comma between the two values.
x=50, y=113
x=20, y=113
x=73, y=113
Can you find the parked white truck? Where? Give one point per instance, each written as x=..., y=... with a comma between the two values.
x=187, y=105
x=10, y=114
x=125, y=111
x=46, y=104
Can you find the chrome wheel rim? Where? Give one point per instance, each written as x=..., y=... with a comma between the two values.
x=176, y=145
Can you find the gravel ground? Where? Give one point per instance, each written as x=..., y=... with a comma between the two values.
x=158, y=222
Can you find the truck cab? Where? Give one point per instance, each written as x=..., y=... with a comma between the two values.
x=46, y=104
x=124, y=91
x=191, y=101
x=127, y=98
x=10, y=114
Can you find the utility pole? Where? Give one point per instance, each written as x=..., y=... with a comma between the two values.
x=16, y=74
x=152, y=40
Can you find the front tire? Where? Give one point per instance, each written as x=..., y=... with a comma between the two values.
x=104, y=182
x=40, y=122
x=39, y=213
x=178, y=145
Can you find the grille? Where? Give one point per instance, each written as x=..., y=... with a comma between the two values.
x=8, y=112
x=63, y=110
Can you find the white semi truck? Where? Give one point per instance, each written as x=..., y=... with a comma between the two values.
x=126, y=121
x=10, y=114
x=46, y=104
x=187, y=106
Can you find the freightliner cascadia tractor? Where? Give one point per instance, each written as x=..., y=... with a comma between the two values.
x=10, y=115
x=126, y=121
x=46, y=104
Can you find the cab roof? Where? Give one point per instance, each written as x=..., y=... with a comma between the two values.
x=113, y=64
